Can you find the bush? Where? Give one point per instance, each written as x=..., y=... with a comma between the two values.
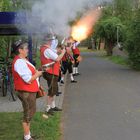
x=133, y=42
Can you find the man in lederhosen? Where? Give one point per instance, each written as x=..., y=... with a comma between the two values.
x=67, y=65
x=49, y=54
x=77, y=57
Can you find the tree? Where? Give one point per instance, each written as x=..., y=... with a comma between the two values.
x=14, y=5
x=133, y=41
x=136, y=4
x=123, y=9
x=107, y=29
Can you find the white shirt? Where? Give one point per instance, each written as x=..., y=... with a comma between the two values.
x=75, y=45
x=23, y=70
x=50, y=54
x=54, y=45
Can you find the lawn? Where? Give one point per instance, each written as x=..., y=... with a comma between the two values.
x=85, y=49
x=119, y=60
x=115, y=59
x=46, y=129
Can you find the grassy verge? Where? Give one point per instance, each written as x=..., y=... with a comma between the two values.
x=11, y=129
x=115, y=59
x=85, y=49
x=119, y=60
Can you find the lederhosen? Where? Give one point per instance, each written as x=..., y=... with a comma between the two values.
x=50, y=75
x=67, y=63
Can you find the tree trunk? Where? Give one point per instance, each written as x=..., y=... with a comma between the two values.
x=109, y=48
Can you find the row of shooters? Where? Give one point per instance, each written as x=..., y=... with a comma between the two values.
x=26, y=76
x=50, y=52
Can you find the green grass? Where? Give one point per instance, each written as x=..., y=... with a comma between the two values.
x=11, y=128
x=100, y=53
x=115, y=59
x=119, y=60
x=85, y=49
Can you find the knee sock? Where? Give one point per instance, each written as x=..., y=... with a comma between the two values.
x=48, y=108
x=27, y=137
x=53, y=104
x=62, y=78
x=76, y=70
x=71, y=76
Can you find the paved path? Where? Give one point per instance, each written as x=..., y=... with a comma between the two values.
x=105, y=104
x=7, y=105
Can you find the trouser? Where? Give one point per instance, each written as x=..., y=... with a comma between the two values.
x=28, y=100
x=59, y=78
x=76, y=63
x=67, y=66
x=52, y=83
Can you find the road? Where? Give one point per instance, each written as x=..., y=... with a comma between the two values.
x=104, y=104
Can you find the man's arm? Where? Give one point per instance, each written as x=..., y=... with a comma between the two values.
x=61, y=55
x=54, y=56
x=24, y=72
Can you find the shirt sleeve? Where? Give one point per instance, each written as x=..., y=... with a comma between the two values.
x=22, y=69
x=50, y=54
x=75, y=45
x=54, y=44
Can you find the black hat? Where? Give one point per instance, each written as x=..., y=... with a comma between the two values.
x=17, y=45
x=48, y=37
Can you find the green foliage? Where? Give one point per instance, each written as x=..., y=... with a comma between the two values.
x=14, y=5
x=119, y=60
x=107, y=12
x=37, y=59
x=123, y=9
x=115, y=16
x=107, y=29
x=3, y=46
x=5, y=5
x=133, y=41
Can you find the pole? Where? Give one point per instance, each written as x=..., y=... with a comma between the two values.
x=117, y=35
x=30, y=48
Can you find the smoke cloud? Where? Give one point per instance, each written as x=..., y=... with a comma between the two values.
x=52, y=16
